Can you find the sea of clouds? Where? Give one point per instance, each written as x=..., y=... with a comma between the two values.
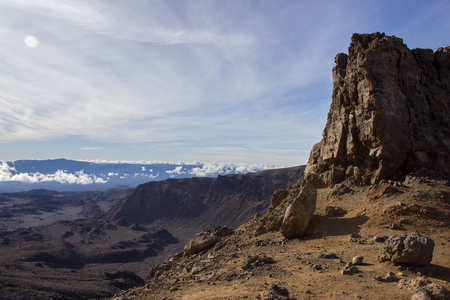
x=9, y=173
x=103, y=172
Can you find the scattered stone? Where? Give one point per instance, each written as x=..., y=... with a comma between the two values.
x=395, y=226
x=277, y=197
x=349, y=269
x=308, y=291
x=413, y=284
x=390, y=277
x=412, y=248
x=206, y=277
x=432, y=291
x=199, y=243
x=357, y=260
x=221, y=231
x=340, y=189
x=275, y=293
x=421, y=295
x=256, y=261
x=334, y=211
x=196, y=270
x=157, y=270
x=380, y=238
x=328, y=255
x=299, y=213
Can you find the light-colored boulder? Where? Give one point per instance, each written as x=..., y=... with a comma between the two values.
x=299, y=213
x=199, y=243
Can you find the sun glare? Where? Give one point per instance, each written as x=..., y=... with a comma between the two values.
x=31, y=41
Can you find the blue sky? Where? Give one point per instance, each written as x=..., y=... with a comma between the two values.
x=211, y=81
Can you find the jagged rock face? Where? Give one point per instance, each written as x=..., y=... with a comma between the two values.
x=389, y=116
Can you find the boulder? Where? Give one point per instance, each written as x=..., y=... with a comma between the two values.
x=299, y=213
x=412, y=248
x=199, y=243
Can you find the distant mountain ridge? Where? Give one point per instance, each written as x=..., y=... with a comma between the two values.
x=224, y=200
x=75, y=175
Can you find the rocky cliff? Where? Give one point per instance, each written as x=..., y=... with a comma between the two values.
x=389, y=115
x=225, y=200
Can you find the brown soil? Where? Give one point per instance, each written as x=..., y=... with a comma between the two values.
x=243, y=265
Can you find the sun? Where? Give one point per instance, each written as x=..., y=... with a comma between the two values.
x=31, y=41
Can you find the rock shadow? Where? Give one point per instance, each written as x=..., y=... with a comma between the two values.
x=441, y=272
x=335, y=226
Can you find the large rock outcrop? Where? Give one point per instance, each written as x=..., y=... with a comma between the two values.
x=389, y=116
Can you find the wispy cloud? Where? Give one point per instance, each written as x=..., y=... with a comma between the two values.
x=222, y=76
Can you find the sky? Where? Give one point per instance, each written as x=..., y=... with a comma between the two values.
x=234, y=81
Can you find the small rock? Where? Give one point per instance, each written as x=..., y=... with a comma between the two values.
x=328, y=255
x=357, y=260
x=275, y=293
x=256, y=261
x=349, y=270
x=421, y=295
x=221, y=231
x=334, y=211
x=196, y=270
x=380, y=238
x=395, y=226
x=308, y=291
x=206, y=277
x=390, y=277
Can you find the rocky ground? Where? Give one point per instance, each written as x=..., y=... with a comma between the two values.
x=349, y=221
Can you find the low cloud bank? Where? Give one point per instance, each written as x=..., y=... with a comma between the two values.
x=212, y=169
x=77, y=172
x=9, y=173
